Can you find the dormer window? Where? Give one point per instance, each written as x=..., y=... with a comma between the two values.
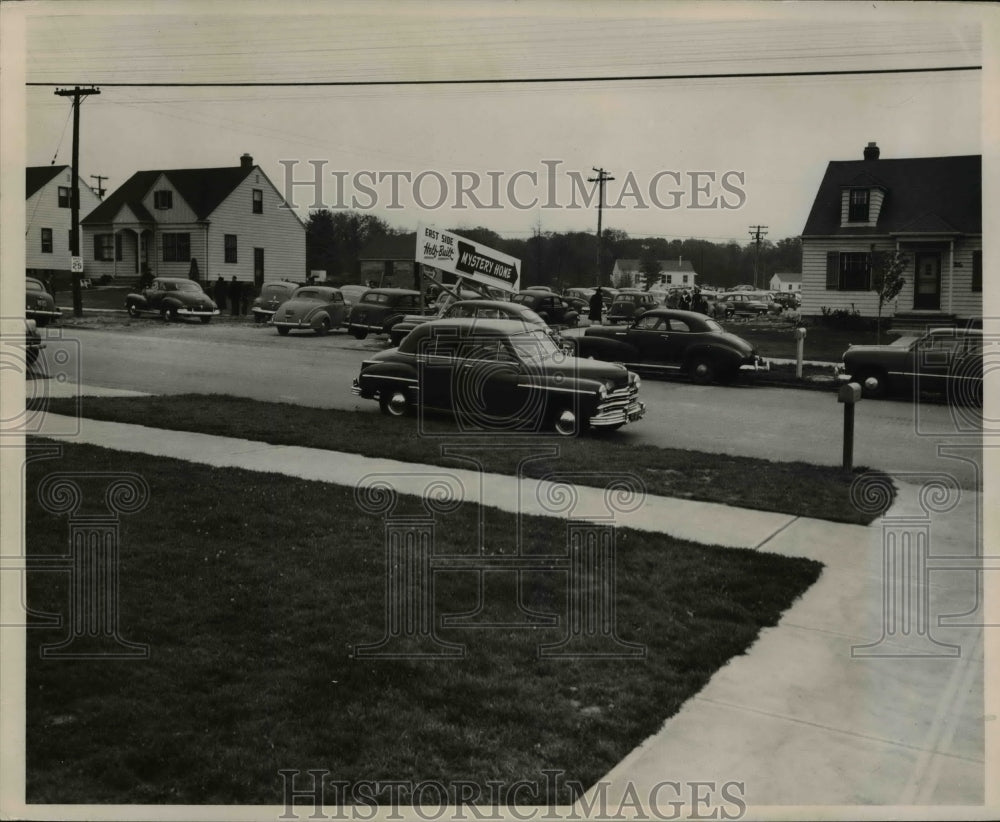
x=163, y=199
x=857, y=211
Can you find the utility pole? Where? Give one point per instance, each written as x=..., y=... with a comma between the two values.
x=74, y=232
x=99, y=178
x=601, y=178
x=756, y=233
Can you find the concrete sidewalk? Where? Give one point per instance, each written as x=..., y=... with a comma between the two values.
x=857, y=697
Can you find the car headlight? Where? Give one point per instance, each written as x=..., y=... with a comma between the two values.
x=633, y=380
x=602, y=392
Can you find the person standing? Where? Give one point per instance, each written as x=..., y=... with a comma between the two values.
x=219, y=294
x=234, y=296
x=596, y=305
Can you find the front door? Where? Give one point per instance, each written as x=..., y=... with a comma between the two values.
x=927, y=286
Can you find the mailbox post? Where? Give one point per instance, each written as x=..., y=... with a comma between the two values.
x=849, y=396
x=800, y=338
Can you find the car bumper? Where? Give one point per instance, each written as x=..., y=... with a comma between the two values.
x=36, y=313
x=299, y=324
x=267, y=313
x=196, y=312
x=619, y=415
x=757, y=364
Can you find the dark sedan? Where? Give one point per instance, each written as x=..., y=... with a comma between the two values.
x=499, y=374
x=379, y=309
x=271, y=296
x=668, y=341
x=944, y=360
x=38, y=303
x=549, y=306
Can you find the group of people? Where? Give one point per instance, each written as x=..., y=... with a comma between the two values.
x=238, y=295
x=688, y=300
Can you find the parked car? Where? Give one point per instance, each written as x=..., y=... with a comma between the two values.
x=629, y=304
x=549, y=306
x=353, y=293
x=271, y=296
x=482, y=309
x=788, y=299
x=172, y=298
x=499, y=374
x=379, y=309
x=38, y=303
x=944, y=360
x=32, y=342
x=667, y=340
x=740, y=304
x=316, y=308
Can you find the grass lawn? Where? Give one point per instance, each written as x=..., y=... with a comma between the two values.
x=774, y=337
x=786, y=487
x=251, y=591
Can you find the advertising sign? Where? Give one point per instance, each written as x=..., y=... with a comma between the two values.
x=455, y=254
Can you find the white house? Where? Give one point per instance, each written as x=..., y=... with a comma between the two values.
x=48, y=219
x=677, y=273
x=928, y=208
x=786, y=281
x=232, y=221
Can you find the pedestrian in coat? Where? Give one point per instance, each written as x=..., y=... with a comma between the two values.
x=234, y=296
x=596, y=305
x=219, y=293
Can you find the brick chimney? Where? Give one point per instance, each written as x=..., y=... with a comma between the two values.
x=246, y=161
x=871, y=151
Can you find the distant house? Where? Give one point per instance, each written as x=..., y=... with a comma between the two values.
x=786, y=282
x=49, y=192
x=929, y=208
x=231, y=220
x=677, y=273
x=388, y=260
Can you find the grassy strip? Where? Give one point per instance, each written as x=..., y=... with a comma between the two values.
x=251, y=591
x=787, y=487
x=775, y=338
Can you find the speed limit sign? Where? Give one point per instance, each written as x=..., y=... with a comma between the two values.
x=76, y=265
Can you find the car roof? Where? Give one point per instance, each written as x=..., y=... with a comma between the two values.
x=392, y=291
x=676, y=314
x=177, y=280
x=955, y=332
x=465, y=325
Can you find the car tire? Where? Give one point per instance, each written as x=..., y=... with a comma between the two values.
x=879, y=387
x=132, y=309
x=205, y=320
x=258, y=318
x=283, y=330
x=701, y=371
x=358, y=333
x=394, y=405
x=169, y=314
x=323, y=328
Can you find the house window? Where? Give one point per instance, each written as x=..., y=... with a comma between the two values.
x=977, y=270
x=104, y=247
x=230, y=242
x=258, y=201
x=176, y=248
x=684, y=279
x=855, y=271
x=46, y=241
x=857, y=211
x=64, y=197
x=163, y=199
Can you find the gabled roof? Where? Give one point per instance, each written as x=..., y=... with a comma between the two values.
x=950, y=188
x=38, y=176
x=203, y=189
x=666, y=266
x=789, y=276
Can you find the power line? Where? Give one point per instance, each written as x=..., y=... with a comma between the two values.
x=528, y=80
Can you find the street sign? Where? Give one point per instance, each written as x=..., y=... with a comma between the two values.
x=475, y=261
x=76, y=265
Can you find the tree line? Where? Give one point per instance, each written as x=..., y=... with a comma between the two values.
x=335, y=241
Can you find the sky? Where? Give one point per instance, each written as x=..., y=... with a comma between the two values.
x=703, y=158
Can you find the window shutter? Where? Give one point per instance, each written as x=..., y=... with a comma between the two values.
x=97, y=246
x=868, y=272
x=977, y=270
x=832, y=270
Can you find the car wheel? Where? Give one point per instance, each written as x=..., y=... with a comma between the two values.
x=702, y=371
x=359, y=333
x=205, y=320
x=324, y=327
x=283, y=330
x=567, y=423
x=394, y=405
x=132, y=309
x=258, y=318
x=873, y=383
x=168, y=314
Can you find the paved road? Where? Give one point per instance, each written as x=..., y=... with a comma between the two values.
x=773, y=423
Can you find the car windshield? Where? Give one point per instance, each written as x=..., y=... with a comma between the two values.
x=183, y=286
x=308, y=294
x=374, y=297
x=275, y=290
x=534, y=346
x=712, y=325
x=34, y=285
